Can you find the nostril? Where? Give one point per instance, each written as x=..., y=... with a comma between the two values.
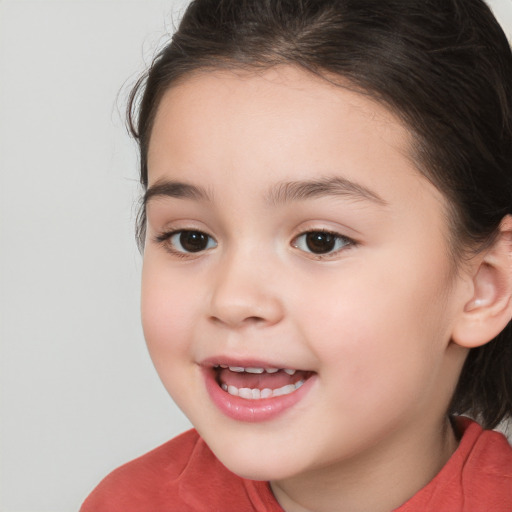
x=254, y=319
x=250, y=320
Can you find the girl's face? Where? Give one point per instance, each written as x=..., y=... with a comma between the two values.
x=287, y=228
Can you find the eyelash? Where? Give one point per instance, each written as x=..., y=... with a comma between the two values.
x=337, y=239
x=165, y=239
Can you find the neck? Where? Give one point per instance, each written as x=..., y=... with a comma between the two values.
x=380, y=480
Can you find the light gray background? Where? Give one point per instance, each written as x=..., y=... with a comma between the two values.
x=78, y=392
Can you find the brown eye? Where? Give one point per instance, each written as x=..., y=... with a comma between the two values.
x=321, y=242
x=191, y=241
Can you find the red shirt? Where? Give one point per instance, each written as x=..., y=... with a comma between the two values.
x=183, y=475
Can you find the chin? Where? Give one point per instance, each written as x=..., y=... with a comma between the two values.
x=265, y=469
x=253, y=461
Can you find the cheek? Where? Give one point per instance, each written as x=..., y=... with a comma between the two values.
x=168, y=304
x=167, y=308
x=379, y=328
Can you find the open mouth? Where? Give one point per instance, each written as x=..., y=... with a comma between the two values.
x=253, y=383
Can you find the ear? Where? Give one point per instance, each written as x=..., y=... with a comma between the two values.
x=489, y=310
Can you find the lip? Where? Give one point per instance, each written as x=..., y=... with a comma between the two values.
x=243, y=362
x=246, y=410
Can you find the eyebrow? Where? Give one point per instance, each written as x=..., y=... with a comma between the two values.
x=311, y=189
x=280, y=194
x=175, y=189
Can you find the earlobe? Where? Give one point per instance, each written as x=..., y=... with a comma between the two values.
x=489, y=309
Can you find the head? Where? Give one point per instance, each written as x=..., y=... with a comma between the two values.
x=437, y=74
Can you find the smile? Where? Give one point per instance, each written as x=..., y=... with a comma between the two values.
x=256, y=392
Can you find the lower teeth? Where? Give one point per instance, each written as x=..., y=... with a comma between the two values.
x=257, y=394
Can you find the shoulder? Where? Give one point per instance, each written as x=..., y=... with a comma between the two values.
x=179, y=476
x=477, y=477
x=149, y=479
x=487, y=472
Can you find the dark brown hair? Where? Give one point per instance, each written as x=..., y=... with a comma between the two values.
x=443, y=66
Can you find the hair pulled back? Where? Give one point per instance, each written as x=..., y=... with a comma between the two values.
x=444, y=67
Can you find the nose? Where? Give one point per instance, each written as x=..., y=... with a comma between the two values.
x=246, y=292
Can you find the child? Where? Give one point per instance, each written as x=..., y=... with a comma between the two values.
x=327, y=238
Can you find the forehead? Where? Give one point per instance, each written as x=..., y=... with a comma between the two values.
x=284, y=103
x=279, y=125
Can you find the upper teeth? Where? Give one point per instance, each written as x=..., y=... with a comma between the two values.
x=240, y=369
